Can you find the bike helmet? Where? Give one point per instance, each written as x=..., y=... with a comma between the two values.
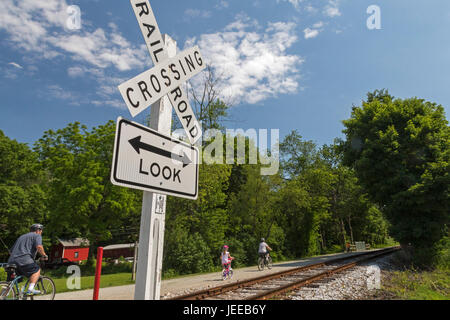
x=36, y=226
x=225, y=246
x=262, y=240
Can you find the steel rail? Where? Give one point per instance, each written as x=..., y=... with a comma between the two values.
x=215, y=291
x=301, y=283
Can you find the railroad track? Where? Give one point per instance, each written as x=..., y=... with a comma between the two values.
x=276, y=284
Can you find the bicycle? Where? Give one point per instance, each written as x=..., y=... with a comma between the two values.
x=227, y=272
x=9, y=289
x=264, y=261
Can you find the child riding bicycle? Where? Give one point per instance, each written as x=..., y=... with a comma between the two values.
x=226, y=258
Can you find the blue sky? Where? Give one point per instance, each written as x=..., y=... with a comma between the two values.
x=285, y=64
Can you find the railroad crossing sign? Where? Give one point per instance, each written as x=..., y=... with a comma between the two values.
x=166, y=77
x=148, y=160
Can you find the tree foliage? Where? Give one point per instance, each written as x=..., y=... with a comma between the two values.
x=81, y=201
x=313, y=205
x=400, y=151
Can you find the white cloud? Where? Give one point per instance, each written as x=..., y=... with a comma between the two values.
x=309, y=8
x=39, y=27
x=104, y=94
x=38, y=30
x=116, y=103
x=18, y=66
x=332, y=9
x=101, y=49
x=295, y=3
x=314, y=31
x=310, y=33
x=196, y=13
x=222, y=4
x=57, y=92
x=332, y=12
x=251, y=61
x=318, y=25
x=107, y=84
x=75, y=72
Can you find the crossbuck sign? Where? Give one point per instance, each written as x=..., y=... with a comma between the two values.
x=166, y=77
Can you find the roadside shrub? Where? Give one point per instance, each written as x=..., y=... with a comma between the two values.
x=443, y=248
x=189, y=254
x=436, y=256
x=124, y=267
x=335, y=248
x=169, y=273
x=276, y=241
x=237, y=251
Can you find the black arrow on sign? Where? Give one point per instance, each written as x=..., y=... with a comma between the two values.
x=138, y=145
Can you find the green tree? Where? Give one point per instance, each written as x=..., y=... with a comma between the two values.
x=81, y=199
x=303, y=200
x=400, y=150
x=22, y=200
x=204, y=221
x=321, y=204
x=297, y=155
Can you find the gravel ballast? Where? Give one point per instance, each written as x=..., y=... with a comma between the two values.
x=358, y=283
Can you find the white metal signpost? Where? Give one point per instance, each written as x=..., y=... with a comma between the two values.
x=149, y=159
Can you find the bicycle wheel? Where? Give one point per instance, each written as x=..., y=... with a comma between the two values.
x=7, y=292
x=47, y=288
x=230, y=275
x=261, y=264
x=269, y=263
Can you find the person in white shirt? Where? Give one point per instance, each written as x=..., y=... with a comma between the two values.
x=263, y=247
x=225, y=257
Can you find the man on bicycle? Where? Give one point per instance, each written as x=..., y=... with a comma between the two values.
x=262, y=250
x=24, y=252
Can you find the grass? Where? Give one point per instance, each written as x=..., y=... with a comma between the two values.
x=389, y=243
x=411, y=283
x=106, y=280
x=87, y=282
x=419, y=285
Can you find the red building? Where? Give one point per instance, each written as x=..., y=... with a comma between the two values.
x=115, y=251
x=73, y=250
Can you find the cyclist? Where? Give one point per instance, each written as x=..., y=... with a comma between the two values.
x=23, y=254
x=262, y=250
x=226, y=258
